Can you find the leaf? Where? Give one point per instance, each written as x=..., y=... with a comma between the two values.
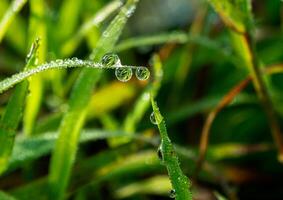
x=180, y=183
x=65, y=150
x=11, y=118
x=234, y=13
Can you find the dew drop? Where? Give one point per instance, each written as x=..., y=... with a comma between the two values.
x=123, y=73
x=153, y=118
x=142, y=73
x=110, y=60
x=172, y=194
x=159, y=154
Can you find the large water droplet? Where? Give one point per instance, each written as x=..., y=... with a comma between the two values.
x=142, y=73
x=123, y=73
x=153, y=118
x=110, y=60
x=172, y=194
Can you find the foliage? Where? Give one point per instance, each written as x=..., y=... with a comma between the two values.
x=81, y=81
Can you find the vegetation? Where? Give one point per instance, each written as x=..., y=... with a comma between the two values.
x=83, y=85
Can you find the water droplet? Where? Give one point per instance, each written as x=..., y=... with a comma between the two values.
x=142, y=73
x=123, y=73
x=110, y=60
x=153, y=118
x=159, y=154
x=172, y=194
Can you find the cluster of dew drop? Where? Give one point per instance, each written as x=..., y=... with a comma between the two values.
x=124, y=73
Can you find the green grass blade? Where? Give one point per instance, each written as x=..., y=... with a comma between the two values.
x=66, y=146
x=58, y=64
x=66, y=16
x=16, y=33
x=178, y=37
x=9, y=16
x=44, y=143
x=10, y=119
x=9, y=123
x=71, y=44
x=37, y=29
x=179, y=181
x=233, y=13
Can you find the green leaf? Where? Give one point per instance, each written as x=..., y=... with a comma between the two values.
x=180, y=183
x=234, y=13
x=65, y=150
x=10, y=119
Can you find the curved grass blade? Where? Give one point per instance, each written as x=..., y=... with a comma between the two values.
x=65, y=150
x=11, y=118
x=179, y=181
x=9, y=16
x=58, y=64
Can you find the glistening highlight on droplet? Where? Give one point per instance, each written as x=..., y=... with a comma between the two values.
x=172, y=194
x=153, y=119
x=123, y=74
x=110, y=60
x=142, y=73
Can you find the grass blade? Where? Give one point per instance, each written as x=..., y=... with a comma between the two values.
x=180, y=183
x=37, y=29
x=11, y=118
x=240, y=19
x=65, y=150
x=71, y=44
x=9, y=16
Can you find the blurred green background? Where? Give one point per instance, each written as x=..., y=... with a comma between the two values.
x=195, y=60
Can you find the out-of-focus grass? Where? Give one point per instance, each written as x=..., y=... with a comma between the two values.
x=209, y=76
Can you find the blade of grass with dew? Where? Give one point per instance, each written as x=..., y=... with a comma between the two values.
x=11, y=118
x=37, y=29
x=13, y=10
x=68, y=20
x=65, y=150
x=243, y=39
x=16, y=32
x=180, y=183
x=71, y=44
x=58, y=64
